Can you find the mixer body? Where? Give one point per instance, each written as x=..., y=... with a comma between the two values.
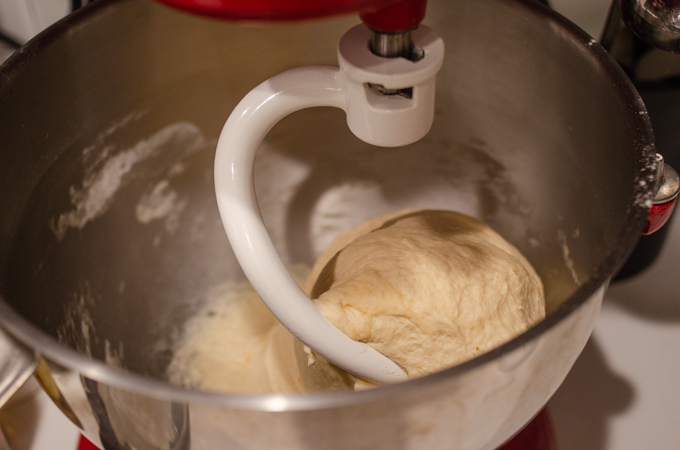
x=111, y=236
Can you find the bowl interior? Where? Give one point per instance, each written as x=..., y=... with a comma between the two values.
x=111, y=237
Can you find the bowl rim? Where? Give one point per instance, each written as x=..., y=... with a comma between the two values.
x=643, y=141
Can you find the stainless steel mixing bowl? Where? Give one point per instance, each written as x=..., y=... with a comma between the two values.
x=110, y=237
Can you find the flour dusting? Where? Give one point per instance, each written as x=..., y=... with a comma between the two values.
x=568, y=261
x=161, y=202
x=104, y=177
x=113, y=356
x=78, y=323
x=115, y=126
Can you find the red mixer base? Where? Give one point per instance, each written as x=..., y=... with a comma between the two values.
x=537, y=435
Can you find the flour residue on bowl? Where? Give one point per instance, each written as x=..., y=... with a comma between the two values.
x=78, y=327
x=161, y=203
x=647, y=178
x=105, y=174
x=113, y=356
x=568, y=261
x=115, y=126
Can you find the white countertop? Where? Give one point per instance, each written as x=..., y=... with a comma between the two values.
x=624, y=390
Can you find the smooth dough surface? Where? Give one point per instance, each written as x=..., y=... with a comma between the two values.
x=428, y=289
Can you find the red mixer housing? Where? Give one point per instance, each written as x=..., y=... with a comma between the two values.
x=383, y=15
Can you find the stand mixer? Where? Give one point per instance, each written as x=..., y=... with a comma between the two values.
x=385, y=83
x=525, y=144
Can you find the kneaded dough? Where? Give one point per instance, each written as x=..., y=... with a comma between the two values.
x=428, y=289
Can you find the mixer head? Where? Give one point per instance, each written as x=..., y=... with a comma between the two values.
x=390, y=20
x=385, y=15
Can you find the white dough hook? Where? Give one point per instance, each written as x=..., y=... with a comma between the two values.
x=379, y=119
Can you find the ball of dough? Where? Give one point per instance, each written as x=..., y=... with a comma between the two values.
x=428, y=289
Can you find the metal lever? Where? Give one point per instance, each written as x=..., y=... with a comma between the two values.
x=665, y=199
